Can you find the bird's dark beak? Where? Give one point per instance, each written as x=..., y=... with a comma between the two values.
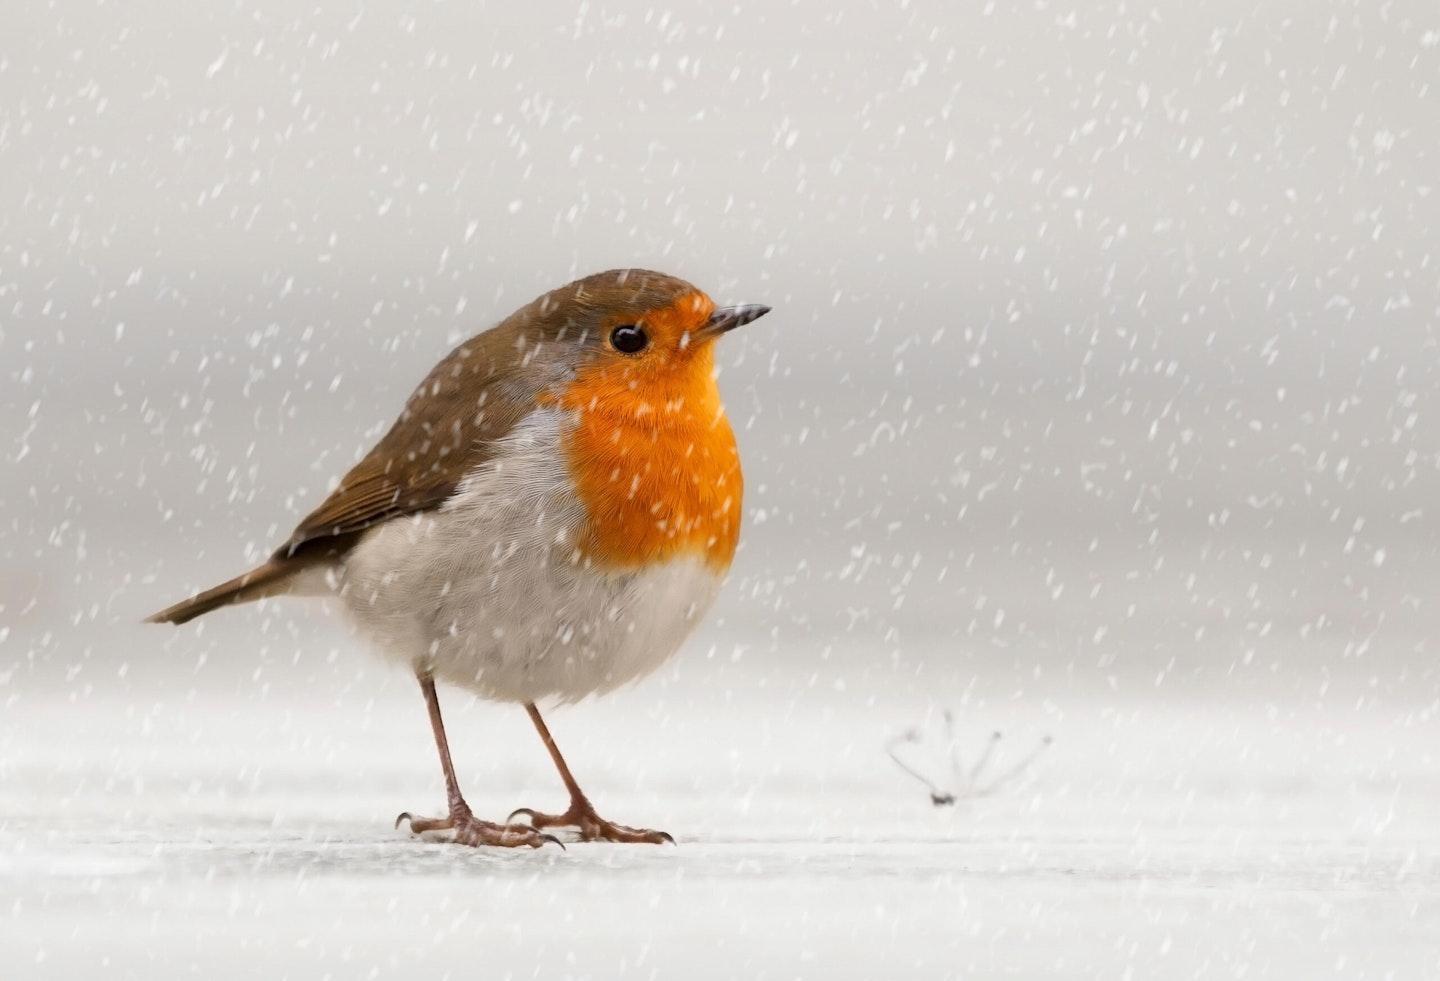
x=728, y=318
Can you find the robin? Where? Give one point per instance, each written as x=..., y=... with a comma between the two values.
x=551, y=515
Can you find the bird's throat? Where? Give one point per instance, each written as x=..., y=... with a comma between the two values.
x=659, y=477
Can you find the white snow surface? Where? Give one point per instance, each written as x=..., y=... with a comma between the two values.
x=241, y=828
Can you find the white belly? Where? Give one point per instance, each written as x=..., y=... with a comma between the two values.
x=483, y=592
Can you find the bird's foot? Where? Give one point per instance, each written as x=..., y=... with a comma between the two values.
x=592, y=827
x=470, y=830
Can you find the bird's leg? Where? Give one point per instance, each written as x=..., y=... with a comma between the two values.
x=469, y=830
x=581, y=813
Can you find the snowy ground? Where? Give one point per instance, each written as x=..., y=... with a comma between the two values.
x=240, y=828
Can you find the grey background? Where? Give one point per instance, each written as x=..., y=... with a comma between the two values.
x=1103, y=352
x=1098, y=402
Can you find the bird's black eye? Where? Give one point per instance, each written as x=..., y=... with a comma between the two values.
x=629, y=339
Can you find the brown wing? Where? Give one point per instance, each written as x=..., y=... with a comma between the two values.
x=449, y=426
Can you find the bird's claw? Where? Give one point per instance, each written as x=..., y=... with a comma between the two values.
x=469, y=830
x=592, y=827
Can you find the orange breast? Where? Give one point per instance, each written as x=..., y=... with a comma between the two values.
x=655, y=463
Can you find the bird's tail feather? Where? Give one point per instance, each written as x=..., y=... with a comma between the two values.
x=270, y=579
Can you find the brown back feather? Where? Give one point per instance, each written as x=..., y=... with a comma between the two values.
x=448, y=427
